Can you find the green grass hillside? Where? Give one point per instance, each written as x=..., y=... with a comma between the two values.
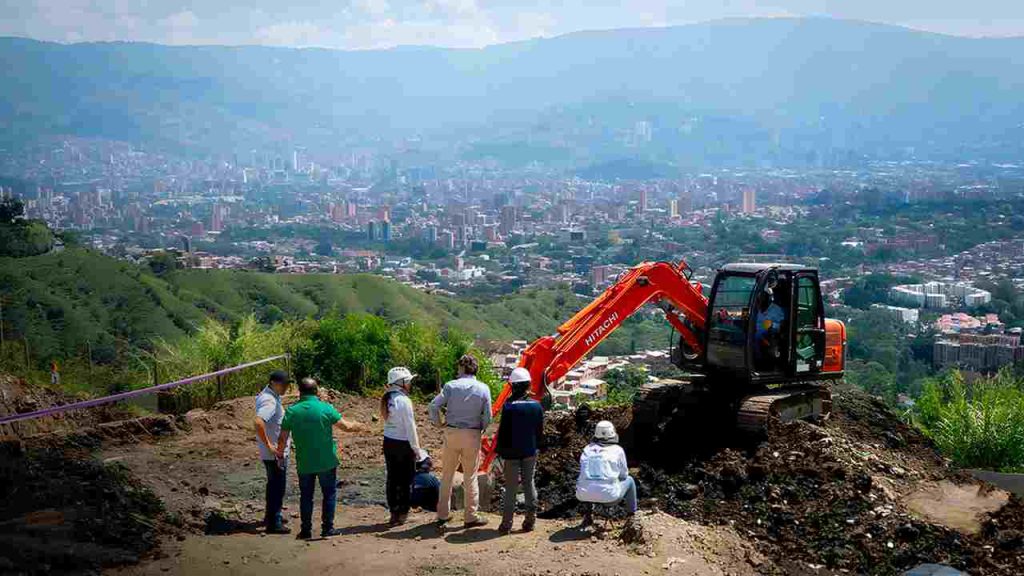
x=67, y=302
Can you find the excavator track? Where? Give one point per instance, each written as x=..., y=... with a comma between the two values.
x=807, y=401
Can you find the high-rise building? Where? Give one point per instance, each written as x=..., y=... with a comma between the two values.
x=643, y=201
x=371, y=231
x=686, y=202
x=431, y=234
x=384, y=213
x=600, y=275
x=673, y=208
x=447, y=240
x=507, y=220
x=749, y=201
x=217, y=218
x=385, y=231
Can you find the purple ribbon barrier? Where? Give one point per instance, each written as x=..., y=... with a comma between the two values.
x=53, y=410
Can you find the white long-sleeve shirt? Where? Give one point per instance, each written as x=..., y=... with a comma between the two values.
x=401, y=422
x=603, y=472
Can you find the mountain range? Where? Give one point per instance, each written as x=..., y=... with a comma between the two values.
x=746, y=91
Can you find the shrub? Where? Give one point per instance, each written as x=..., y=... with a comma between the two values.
x=978, y=424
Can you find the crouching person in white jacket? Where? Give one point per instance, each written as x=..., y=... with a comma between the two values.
x=604, y=476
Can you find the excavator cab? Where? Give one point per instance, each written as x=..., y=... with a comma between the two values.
x=766, y=324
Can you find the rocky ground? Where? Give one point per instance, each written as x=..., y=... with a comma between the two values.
x=858, y=493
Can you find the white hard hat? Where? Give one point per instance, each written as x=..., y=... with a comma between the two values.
x=605, y=430
x=519, y=375
x=399, y=374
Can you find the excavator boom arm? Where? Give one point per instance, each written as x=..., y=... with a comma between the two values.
x=549, y=358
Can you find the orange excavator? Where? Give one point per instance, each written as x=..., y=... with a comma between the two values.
x=758, y=349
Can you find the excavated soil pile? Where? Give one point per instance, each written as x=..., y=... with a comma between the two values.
x=64, y=513
x=811, y=497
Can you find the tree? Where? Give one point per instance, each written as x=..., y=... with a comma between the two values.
x=11, y=210
x=324, y=248
x=624, y=383
x=162, y=263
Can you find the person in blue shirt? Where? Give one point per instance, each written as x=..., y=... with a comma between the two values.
x=519, y=439
x=426, y=488
x=767, y=331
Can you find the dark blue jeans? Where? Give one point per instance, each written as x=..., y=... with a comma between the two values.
x=277, y=479
x=329, y=486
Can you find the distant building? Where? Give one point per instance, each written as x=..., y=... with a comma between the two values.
x=749, y=201
x=908, y=315
x=507, y=220
x=686, y=202
x=371, y=231
x=983, y=353
x=600, y=275
x=385, y=230
x=673, y=208
x=939, y=295
x=642, y=207
x=217, y=218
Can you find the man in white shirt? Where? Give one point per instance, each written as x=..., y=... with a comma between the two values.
x=269, y=414
x=604, y=475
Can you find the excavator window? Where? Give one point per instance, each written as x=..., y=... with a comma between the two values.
x=730, y=314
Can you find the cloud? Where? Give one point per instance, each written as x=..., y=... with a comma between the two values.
x=388, y=33
x=301, y=34
x=181, y=27
x=462, y=23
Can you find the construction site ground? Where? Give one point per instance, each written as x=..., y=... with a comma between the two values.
x=860, y=493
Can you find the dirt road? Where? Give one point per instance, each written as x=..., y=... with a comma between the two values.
x=211, y=480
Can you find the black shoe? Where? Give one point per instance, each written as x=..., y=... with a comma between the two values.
x=279, y=529
x=304, y=535
x=330, y=532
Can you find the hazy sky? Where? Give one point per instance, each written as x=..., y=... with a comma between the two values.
x=464, y=23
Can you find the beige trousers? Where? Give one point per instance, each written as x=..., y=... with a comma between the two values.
x=460, y=446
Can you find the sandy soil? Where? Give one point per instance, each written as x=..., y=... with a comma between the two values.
x=213, y=472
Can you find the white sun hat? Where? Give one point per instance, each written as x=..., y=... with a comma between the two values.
x=399, y=374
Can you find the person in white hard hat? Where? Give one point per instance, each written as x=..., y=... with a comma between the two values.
x=401, y=442
x=604, y=476
x=519, y=439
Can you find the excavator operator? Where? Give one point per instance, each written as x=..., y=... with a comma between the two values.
x=768, y=318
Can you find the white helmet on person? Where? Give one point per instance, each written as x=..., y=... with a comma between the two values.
x=519, y=376
x=605, y=432
x=399, y=375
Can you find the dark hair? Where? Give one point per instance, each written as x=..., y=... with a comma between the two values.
x=468, y=365
x=307, y=386
x=279, y=377
x=519, y=390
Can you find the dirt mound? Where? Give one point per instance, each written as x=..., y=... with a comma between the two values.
x=67, y=515
x=18, y=397
x=814, y=498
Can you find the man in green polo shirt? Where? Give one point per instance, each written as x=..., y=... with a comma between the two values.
x=309, y=422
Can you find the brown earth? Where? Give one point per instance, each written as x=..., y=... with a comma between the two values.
x=820, y=498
